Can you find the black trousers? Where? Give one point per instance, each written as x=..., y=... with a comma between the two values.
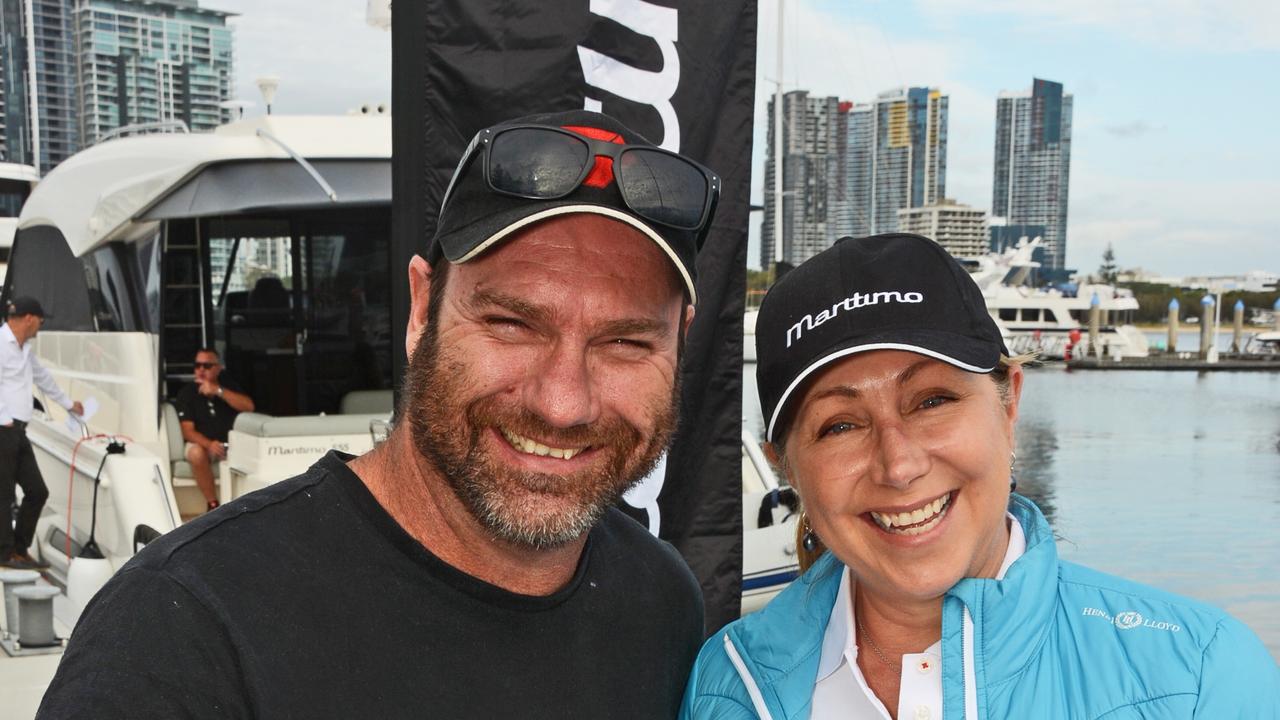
x=18, y=469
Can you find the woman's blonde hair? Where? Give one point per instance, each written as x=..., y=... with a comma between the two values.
x=806, y=558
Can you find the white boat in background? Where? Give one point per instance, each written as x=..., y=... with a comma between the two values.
x=267, y=239
x=1042, y=320
x=16, y=184
x=1264, y=344
x=770, y=508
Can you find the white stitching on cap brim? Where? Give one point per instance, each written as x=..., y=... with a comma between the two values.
x=777, y=410
x=597, y=210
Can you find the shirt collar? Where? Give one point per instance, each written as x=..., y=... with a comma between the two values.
x=6, y=333
x=839, y=640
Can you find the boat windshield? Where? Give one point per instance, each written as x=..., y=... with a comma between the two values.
x=297, y=304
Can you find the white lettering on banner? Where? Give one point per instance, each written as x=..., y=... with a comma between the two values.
x=853, y=302
x=644, y=494
x=631, y=83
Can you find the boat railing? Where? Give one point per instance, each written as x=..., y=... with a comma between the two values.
x=146, y=128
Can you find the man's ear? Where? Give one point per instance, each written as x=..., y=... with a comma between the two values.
x=688, y=320
x=419, y=298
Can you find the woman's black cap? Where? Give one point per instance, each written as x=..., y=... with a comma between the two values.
x=884, y=292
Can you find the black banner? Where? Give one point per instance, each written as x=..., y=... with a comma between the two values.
x=683, y=75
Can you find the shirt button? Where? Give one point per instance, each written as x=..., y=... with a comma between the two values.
x=922, y=712
x=924, y=667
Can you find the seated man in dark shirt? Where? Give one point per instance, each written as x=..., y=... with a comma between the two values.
x=207, y=409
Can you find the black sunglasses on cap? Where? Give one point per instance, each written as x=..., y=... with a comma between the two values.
x=542, y=162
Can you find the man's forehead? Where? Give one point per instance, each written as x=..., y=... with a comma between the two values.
x=583, y=242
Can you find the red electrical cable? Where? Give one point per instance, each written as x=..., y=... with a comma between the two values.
x=72, y=479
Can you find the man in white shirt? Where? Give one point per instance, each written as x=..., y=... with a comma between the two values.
x=18, y=368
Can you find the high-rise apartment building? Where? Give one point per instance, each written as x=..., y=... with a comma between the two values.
x=103, y=64
x=1033, y=162
x=151, y=61
x=39, y=30
x=909, y=154
x=961, y=230
x=848, y=168
x=895, y=157
x=810, y=168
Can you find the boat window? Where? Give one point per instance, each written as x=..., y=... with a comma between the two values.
x=147, y=260
x=106, y=272
x=348, y=312
x=12, y=194
x=248, y=257
x=1008, y=313
x=42, y=266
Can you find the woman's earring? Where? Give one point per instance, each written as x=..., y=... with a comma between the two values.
x=1013, y=460
x=810, y=539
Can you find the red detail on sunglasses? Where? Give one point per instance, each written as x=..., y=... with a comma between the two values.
x=602, y=173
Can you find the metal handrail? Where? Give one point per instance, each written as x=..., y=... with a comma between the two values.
x=146, y=127
x=315, y=174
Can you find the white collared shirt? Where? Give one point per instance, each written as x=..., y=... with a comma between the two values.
x=842, y=691
x=18, y=368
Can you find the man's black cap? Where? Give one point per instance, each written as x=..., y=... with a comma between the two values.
x=26, y=305
x=475, y=218
x=884, y=292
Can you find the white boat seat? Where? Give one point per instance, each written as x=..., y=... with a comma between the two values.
x=180, y=470
x=268, y=426
x=359, y=402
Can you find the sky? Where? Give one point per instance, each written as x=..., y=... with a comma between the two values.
x=1175, y=157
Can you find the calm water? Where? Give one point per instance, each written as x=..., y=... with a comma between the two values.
x=1168, y=478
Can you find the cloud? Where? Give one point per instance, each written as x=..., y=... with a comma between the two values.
x=1174, y=227
x=328, y=58
x=1137, y=128
x=1222, y=26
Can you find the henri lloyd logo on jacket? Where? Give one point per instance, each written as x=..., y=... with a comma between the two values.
x=853, y=302
x=1130, y=619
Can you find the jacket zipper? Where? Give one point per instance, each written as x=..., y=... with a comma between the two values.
x=753, y=690
x=970, y=674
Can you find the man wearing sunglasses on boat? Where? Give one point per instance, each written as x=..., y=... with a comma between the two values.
x=207, y=410
x=473, y=565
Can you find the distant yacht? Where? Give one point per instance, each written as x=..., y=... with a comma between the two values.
x=1041, y=320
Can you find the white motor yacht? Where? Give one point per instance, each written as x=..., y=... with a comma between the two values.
x=1042, y=320
x=268, y=240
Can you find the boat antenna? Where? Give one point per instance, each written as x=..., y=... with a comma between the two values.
x=267, y=85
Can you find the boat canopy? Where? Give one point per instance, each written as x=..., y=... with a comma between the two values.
x=273, y=185
x=118, y=189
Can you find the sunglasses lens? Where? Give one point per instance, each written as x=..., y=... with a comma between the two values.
x=533, y=163
x=663, y=188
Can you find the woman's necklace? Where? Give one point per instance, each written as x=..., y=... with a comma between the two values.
x=874, y=647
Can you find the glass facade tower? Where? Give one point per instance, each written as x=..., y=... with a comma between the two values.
x=895, y=158
x=810, y=183
x=103, y=64
x=849, y=168
x=50, y=42
x=145, y=61
x=1033, y=163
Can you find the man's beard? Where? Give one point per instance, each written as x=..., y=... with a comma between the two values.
x=525, y=508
